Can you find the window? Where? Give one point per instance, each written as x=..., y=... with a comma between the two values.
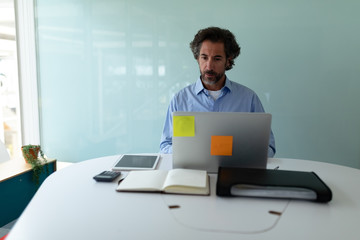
x=10, y=130
x=19, y=110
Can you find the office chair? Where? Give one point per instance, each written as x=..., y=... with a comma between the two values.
x=4, y=155
x=4, y=237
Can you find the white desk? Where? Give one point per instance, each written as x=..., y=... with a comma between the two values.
x=71, y=205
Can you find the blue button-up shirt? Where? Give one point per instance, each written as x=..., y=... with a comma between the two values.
x=234, y=97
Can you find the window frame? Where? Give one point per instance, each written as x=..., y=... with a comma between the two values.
x=27, y=71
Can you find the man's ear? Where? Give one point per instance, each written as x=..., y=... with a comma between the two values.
x=228, y=62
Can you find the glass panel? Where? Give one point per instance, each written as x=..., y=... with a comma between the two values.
x=9, y=86
x=108, y=70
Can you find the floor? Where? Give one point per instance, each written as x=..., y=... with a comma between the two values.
x=6, y=229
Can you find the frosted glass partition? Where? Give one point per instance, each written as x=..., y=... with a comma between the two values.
x=109, y=68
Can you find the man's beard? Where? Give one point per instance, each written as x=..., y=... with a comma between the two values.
x=215, y=78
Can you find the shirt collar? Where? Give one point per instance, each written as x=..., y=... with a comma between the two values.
x=199, y=87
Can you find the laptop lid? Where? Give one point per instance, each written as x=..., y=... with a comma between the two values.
x=207, y=140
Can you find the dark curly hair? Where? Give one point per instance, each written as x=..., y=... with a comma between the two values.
x=215, y=34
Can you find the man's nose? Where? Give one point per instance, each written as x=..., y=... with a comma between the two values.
x=210, y=64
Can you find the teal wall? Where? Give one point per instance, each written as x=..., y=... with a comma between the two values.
x=17, y=192
x=107, y=71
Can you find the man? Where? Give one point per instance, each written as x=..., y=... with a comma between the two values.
x=215, y=50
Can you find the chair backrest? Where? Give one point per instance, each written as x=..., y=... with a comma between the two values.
x=4, y=154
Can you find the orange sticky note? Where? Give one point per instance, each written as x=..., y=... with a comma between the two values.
x=184, y=126
x=221, y=145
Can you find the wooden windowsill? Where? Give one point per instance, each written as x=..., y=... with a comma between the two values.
x=15, y=167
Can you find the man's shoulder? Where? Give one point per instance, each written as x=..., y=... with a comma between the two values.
x=186, y=90
x=182, y=97
x=237, y=87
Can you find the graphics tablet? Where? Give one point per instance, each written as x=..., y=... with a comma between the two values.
x=136, y=162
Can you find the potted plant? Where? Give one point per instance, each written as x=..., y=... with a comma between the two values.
x=31, y=155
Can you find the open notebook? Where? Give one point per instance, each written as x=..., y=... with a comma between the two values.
x=179, y=181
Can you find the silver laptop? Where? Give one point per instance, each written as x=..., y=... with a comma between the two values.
x=207, y=140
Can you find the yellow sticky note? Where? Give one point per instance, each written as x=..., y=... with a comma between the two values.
x=221, y=145
x=184, y=126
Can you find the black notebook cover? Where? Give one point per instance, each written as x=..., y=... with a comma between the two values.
x=271, y=183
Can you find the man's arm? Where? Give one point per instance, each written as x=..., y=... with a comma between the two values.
x=166, y=137
x=272, y=149
x=258, y=107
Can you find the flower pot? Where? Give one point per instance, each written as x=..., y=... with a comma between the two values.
x=30, y=152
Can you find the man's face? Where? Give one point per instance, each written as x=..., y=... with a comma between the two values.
x=212, y=62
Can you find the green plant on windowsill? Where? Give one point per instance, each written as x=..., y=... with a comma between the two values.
x=31, y=155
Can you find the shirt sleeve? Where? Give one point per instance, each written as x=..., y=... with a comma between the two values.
x=272, y=149
x=166, y=137
x=258, y=107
